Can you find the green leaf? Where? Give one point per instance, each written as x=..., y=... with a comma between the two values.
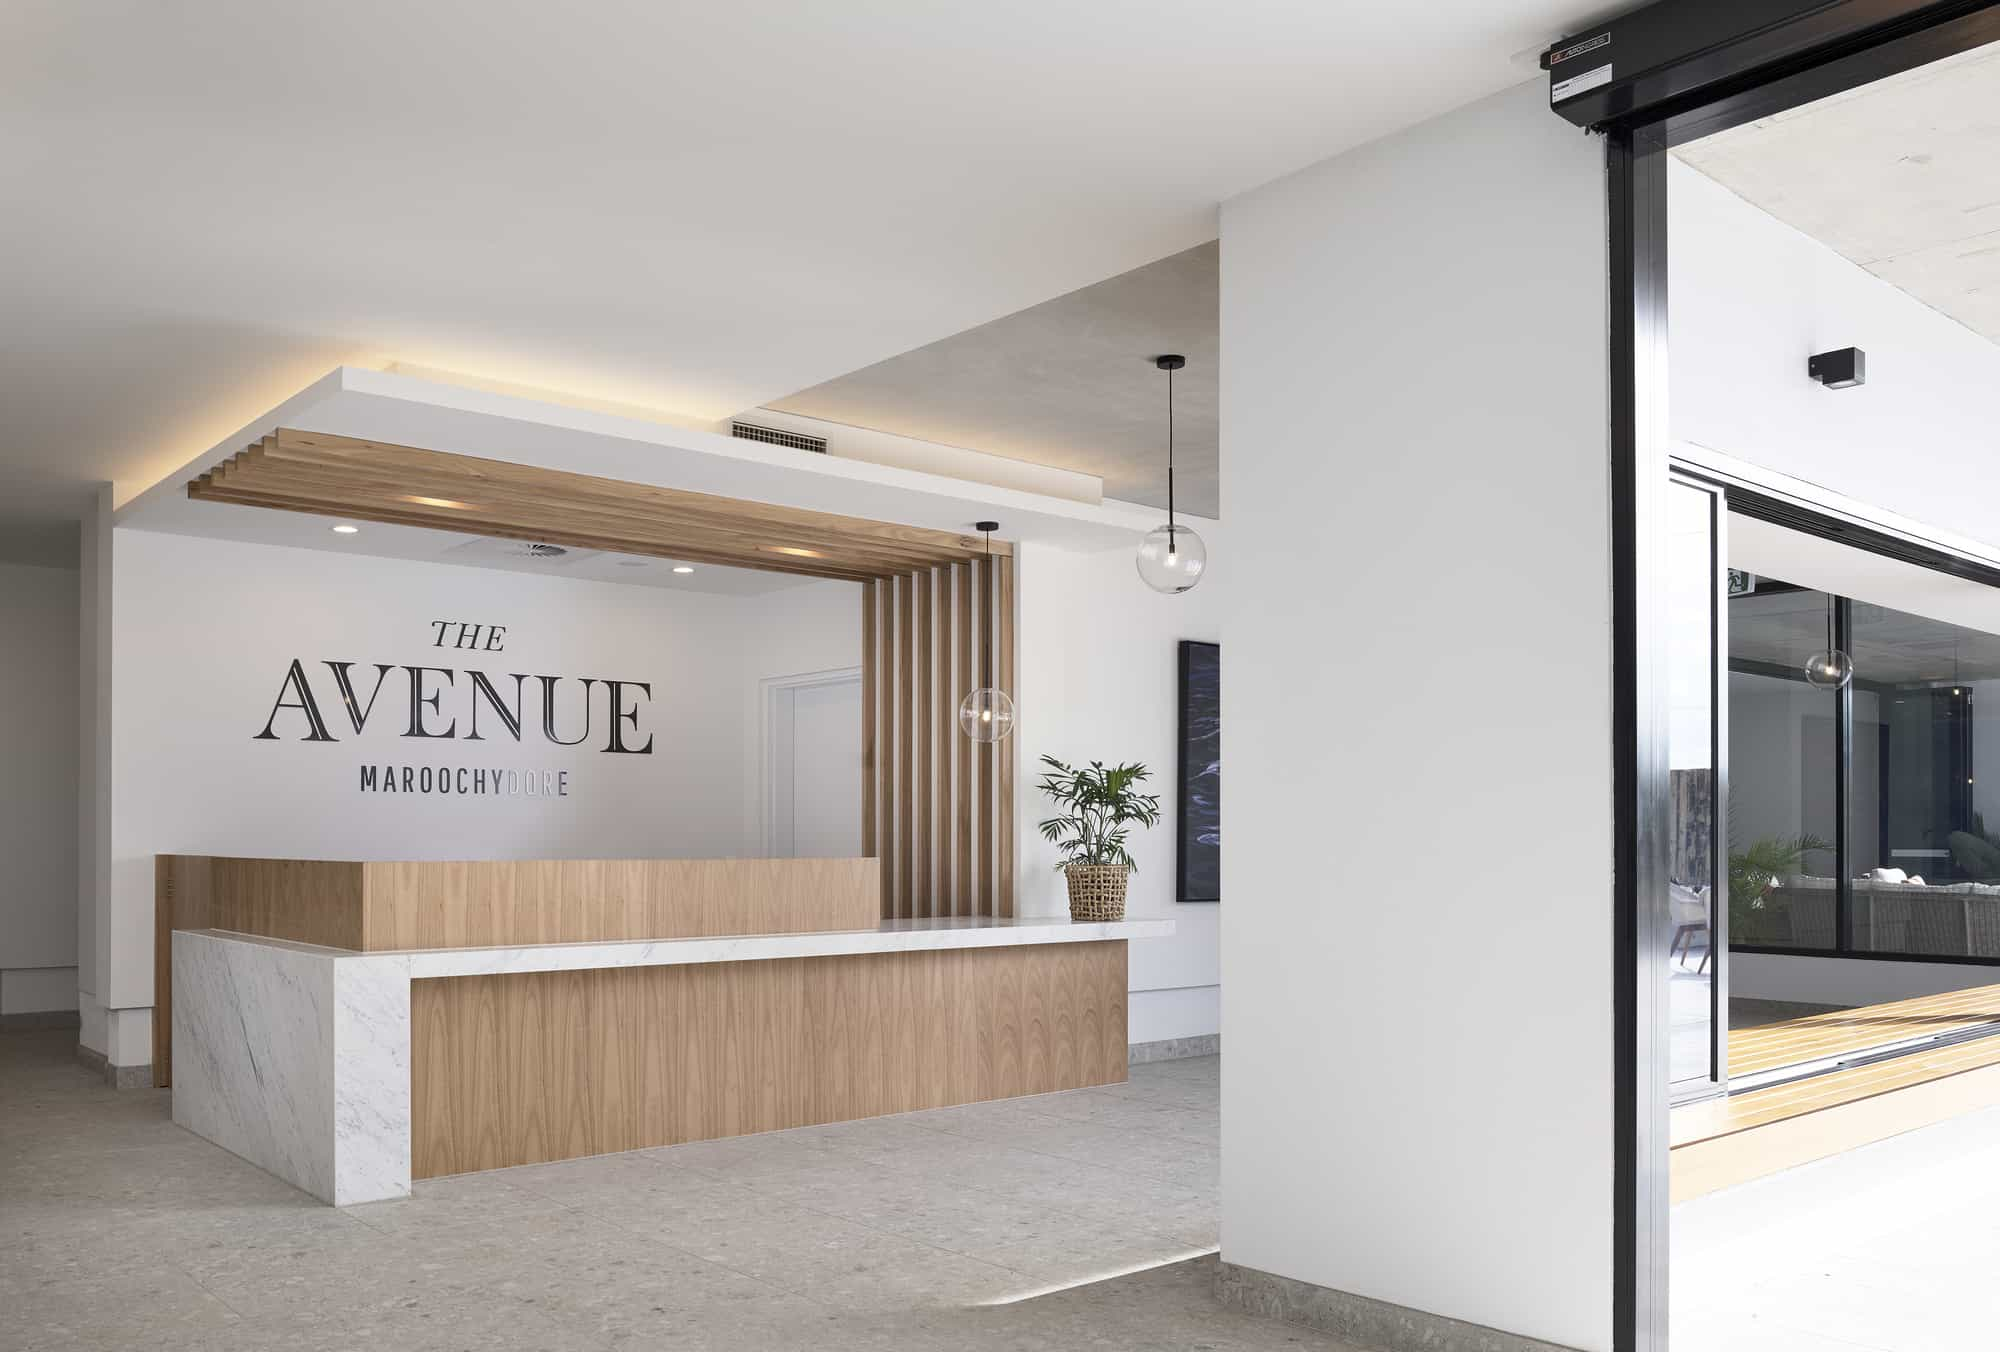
x=1100, y=803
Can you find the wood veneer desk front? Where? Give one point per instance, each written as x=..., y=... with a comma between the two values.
x=349, y=1072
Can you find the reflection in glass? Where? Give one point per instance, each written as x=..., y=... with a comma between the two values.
x=1689, y=589
x=1829, y=670
x=1926, y=862
x=1783, y=757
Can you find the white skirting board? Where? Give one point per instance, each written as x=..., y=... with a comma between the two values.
x=1172, y=1013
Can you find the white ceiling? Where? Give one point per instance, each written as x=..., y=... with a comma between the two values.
x=1070, y=383
x=1901, y=176
x=692, y=207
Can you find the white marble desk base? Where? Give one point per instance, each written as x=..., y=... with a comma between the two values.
x=298, y=1059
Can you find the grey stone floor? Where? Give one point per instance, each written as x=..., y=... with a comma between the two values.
x=1072, y=1221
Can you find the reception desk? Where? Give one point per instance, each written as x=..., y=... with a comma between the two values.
x=350, y=1071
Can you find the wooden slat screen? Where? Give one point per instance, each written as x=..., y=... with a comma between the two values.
x=962, y=796
x=1003, y=657
x=982, y=753
x=868, y=680
x=905, y=762
x=940, y=807
x=921, y=886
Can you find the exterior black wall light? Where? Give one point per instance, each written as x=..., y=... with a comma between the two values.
x=1840, y=369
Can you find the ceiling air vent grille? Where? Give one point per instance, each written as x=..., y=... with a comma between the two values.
x=772, y=436
x=536, y=550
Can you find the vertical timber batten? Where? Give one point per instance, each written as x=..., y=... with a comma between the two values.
x=868, y=844
x=938, y=808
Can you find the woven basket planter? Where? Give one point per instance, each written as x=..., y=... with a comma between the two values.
x=1096, y=891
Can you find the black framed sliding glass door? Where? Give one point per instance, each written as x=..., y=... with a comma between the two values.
x=1785, y=740
x=1694, y=581
x=1860, y=827
x=1732, y=65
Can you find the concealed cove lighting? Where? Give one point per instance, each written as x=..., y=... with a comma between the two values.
x=683, y=568
x=450, y=503
x=346, y=530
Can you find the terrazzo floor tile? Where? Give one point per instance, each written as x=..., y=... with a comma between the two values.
x=122, y=1306
x=988, y=1228
x=486, y=1199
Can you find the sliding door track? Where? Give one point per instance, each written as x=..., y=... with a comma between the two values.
x=1867, y=1056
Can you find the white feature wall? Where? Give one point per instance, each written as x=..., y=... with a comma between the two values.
x=1417, y=978
x=38, y=750
x=1099, y=680
x=204, y=635
x=1752, y=298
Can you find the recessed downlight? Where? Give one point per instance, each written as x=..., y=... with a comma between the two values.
x=682, y=568
x=344, y=529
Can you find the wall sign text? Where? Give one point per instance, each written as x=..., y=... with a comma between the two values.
x=329, y=700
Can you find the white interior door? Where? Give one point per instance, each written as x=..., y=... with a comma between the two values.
x=815, y=769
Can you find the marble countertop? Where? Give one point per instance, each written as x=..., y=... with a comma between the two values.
x=891, y=936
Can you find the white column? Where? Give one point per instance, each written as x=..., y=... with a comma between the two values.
x=94, y=776
x=1417, y=960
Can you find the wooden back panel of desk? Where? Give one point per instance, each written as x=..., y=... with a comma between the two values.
x=527, y=1067
x=372, y=907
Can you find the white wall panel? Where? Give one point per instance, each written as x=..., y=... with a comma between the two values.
x=1416, y=973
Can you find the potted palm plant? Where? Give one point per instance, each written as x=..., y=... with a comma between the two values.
x=1100, y=806
x=1753, y=875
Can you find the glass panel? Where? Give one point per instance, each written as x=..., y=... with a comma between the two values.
x=1783, y=888
x=1689, y=590
x=1927, y=866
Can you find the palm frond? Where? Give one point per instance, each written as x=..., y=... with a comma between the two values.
x=1101, y=804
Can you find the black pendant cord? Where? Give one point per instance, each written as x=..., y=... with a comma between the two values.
x=1170, y=363
x=986, y=528
x=1170, y=460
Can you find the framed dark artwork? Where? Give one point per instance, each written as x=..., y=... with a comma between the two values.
x=1198, y=849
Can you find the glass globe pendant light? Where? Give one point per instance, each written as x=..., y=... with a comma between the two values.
x=1831, y=669
x=1172, y=557
x=987, y=714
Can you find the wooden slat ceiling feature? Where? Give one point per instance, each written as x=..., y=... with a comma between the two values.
x=408, y=486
